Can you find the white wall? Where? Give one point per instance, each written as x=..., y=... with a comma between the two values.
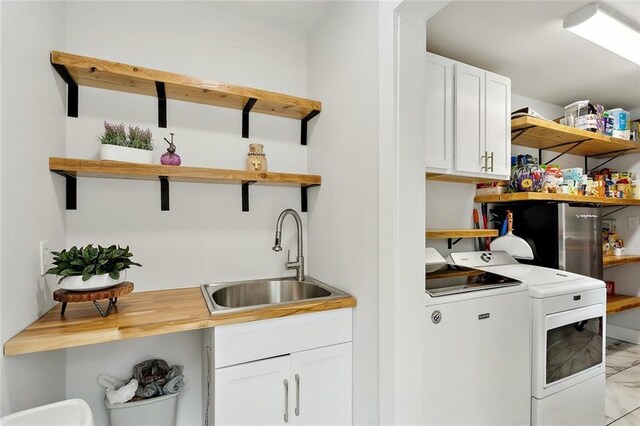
x=343, y=218
x=205, y=237
x=32, y=203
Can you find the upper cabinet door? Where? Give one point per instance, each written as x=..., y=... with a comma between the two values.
x=439, y=112
x=255, y=393
x=469, y=119
x=498, y=123
x=321, y=392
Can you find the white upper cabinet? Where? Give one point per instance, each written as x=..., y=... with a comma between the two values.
x=469, y=119
x=439, y=112
x=498, y=122
x=468, y=123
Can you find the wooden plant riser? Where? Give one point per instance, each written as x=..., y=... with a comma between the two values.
x=111, y=293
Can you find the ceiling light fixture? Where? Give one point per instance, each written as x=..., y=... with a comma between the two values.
x=598, y=27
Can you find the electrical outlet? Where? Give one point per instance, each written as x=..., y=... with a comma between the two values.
x=45, y=257
x=632, y=222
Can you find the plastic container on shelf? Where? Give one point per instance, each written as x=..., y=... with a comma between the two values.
x=575, y=110
x=158, y=411
x=620, y=119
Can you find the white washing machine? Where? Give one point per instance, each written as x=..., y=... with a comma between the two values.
x=505, y=329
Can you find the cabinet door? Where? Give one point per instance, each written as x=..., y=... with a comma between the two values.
x=321, y=391
x=439, y=112
x=469, y=119
x=477, y=361
x=498, y=123
x=255, y=393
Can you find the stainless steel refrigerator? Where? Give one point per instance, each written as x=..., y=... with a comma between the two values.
x=564, y=236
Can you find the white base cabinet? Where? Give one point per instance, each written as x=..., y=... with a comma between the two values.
x=308, y=381
x=467, y=119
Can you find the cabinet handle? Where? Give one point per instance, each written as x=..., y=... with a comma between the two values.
x=491, y=160
x=286, y=400
x=297, y=395
x=485, y=162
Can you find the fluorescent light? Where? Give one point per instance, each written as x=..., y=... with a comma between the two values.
x=606, y=31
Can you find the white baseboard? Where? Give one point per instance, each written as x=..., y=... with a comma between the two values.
x=622, y=333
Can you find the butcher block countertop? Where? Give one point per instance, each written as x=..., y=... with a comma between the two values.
x=140, y=314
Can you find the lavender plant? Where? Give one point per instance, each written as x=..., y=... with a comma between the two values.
x=140, y=139
x=114, y=134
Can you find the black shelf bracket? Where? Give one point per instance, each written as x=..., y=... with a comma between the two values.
x=615, y=154
x=614, y=211
x=245, y=194
x=72, y=90
x=305, y=120
x=71, y=189
x=303, y=197
x=451, y=242
x=245, y=118
x=519, y=132
x=162, y=104
x=573, y=144
x=164, y=193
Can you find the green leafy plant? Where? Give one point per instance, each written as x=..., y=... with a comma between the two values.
x=89, y=261
x=115, y=134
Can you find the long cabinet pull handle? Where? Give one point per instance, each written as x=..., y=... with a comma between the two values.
x=286, y=400
x=297, y=395
x=491, y=160
x=485, y=162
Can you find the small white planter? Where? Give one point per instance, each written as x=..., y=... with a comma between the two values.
x=123, y=153
x=96, y=282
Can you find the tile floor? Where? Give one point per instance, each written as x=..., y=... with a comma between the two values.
x=623, y=383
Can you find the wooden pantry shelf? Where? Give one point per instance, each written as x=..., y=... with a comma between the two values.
x=609, y=261
x=71, y=168
x=548, y=135
x=459, y=234
x=141, y=314
x=619, y=303
x=443, y=177
x=543, y=196
x=78, y=70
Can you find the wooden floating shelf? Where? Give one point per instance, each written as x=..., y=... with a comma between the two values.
x=609, y=261
x=453, y=236
x=620, y=303
x=79, y=70
x=441, y=177
x=460, y=233
x=548, y=135
x=542, y=196
x=72, y=168
x=141, y=314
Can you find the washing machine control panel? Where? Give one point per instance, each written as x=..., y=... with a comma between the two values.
x=475, y=259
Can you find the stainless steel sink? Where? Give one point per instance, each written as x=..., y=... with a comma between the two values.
x=244, y=295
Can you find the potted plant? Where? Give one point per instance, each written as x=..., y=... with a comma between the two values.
x=134, y=148
x=91, y=268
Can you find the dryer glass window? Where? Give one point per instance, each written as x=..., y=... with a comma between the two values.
x=573, y=348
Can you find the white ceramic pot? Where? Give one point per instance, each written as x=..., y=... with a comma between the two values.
x=123, y=153
x=96, y=282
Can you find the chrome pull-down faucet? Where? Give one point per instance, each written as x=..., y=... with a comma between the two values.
x=298, y=265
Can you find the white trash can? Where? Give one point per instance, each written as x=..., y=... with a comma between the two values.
x=158, y=411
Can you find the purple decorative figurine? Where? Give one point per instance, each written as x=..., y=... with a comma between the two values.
x=170, y=158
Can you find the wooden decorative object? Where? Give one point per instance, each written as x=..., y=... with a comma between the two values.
x=111, y=293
